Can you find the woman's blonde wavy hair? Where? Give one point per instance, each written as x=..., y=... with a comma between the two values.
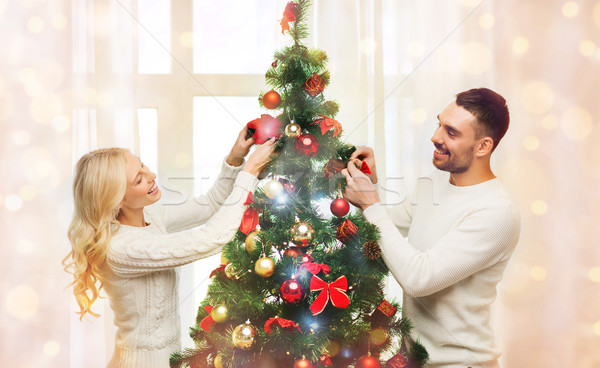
x=98, y=189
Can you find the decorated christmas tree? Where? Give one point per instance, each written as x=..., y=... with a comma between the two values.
x=300, y=285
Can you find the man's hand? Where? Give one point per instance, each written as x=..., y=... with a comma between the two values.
x=360, y=190
x=367, y=155
x=240, y=149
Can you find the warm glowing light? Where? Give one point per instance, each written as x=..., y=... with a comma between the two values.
x=13, y=202
x=51, y=348
x=44, y=108
x=22, y=302
x=26, y=75
x=368, y=46
x=475, y=58
x=539, y=207
x=35, y=25
x=570, y=9
x=537, y=97
x=59, y=22
x=104, y=99
x=21, y=137
x=470, y=3
x=33, y=89
x=520, y=45
x=550, y=122
x=187, y=39
x=597, y=14
x=576, y=123
x=418, y=116
x=415, y=48
x=587, y=48
x=28, y=192
x=61, y=123
x=487, y=20
x=538, y=273
x=1, y=200
x=531, y=143
x=183, y=159
x=597, y=328
x=594, y=274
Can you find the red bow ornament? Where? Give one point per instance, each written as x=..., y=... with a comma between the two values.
x=334, y=291
x=285, y=324
x=265, y=127
x=288, y=16
x=365, y=168
x=314, y=268
x=326, y=123
x=249, y=220
x=208, y=322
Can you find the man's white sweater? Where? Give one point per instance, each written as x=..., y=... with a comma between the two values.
x=140, y=276
x=459, y=242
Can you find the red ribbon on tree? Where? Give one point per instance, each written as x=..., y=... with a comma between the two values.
x=326, y=123
x=289, y=15
x=334, y=291
x=249, y=220
x=315, y=268
x=286, y=324
x=265, y=127
x=208, y=322
x=250, y=199
x=218, y=270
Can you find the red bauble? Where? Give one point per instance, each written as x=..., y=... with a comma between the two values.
x=292, y=292
x=340, y=207
x=368, y=361
x=307, y=145
x=303, y=363
x=271, y=100
x=292, y=252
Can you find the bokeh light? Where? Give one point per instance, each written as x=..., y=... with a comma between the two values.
x=538, y=273
x=61, y=123
x=59, y=22
x=520, y=45
x=27, y=192
x=576, y=123
x=587, y=48
x=44, y=108
x=368, y=46
x=21, y=137
x=539, y=207
x=475, y=58
x=537, y=97
x=415, y=48
x=570, y=9
x=550, y=122
x=487, y=21
x=187, y=39
x=597, y=14
x=35, y=25
x=531, y=143
x=418, y=116
x=597, y=328
x=13, y=202
x=51, y=348
x=22, y=302
x=594, y=274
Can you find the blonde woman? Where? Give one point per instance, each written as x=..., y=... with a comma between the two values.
x=129, y=247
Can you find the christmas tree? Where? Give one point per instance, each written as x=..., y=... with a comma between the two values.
x=299, y=287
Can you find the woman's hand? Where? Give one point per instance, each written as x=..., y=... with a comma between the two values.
x=260, y=157
x=367, y=155
x=240, y=148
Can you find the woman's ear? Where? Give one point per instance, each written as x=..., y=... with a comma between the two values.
x=486, y=144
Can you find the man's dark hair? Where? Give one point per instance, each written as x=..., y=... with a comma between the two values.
x=490, y=110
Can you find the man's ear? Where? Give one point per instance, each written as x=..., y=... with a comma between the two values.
x=485, y=146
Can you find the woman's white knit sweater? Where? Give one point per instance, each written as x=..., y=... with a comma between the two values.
x=459, y=242
x=140, y=275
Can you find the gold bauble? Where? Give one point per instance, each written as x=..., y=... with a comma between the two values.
x=244, y=336
x=264, y=267
x=378, y=336
x=219, y=360
x=220, y=313
x=251, y=240
x=302, y=233
x=224, y=259
x=230, y=271
x=292, y=130
x=273, y=189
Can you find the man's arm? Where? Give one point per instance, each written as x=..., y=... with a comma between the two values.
x=485, y=237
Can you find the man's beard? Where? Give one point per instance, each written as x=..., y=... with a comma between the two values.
x=456, y=164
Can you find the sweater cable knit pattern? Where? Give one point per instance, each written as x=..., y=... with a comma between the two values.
x=140, y=268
